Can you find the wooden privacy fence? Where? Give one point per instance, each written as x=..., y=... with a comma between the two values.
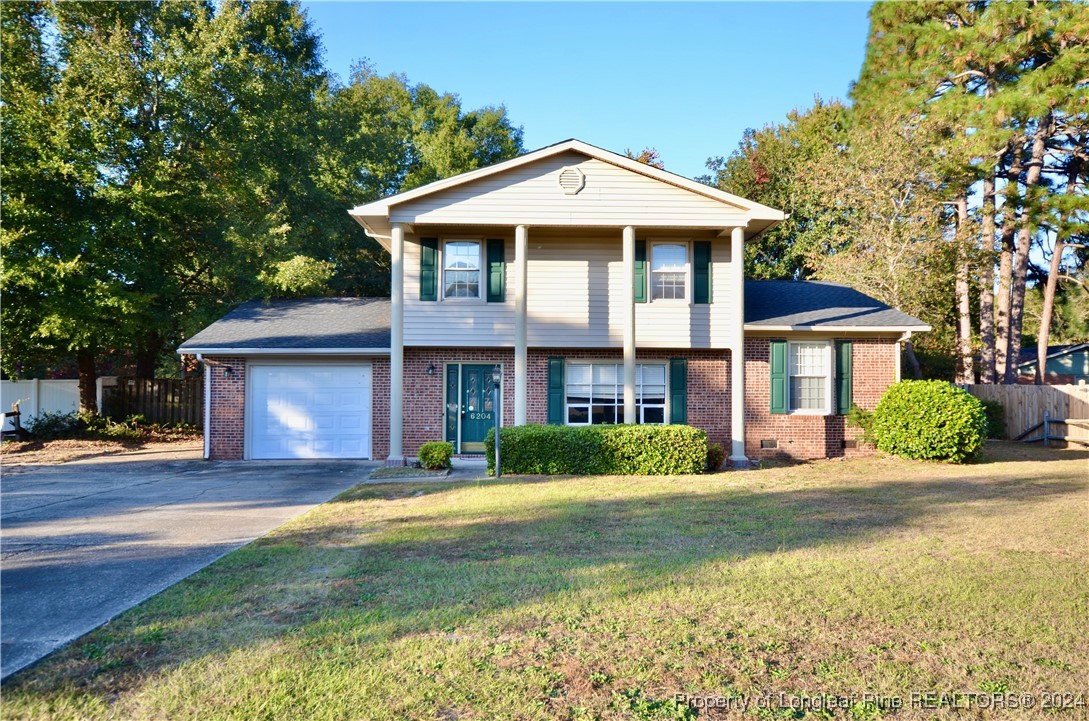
x=1025, y=406
x=160, y=401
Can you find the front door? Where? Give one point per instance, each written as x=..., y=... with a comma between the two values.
x=477, y=406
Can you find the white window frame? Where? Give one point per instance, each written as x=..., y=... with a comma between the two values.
x=480, y=270
x=687, y=245
x=827, y=352
x=640, y=408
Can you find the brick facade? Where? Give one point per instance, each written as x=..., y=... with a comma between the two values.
x=708, y=383
x=708, y=387
x=797, y=436
x=227, y=427
x=226, y=431
x=424, y=413
x=806, y=436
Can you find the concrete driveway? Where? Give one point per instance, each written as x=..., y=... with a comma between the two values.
x=81, y=542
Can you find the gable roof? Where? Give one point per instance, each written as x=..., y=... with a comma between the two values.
x=314, y=325
x=374, y=216
x=1028, y=355
x=781, y=305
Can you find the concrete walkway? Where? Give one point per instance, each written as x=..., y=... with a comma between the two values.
x=81, y=542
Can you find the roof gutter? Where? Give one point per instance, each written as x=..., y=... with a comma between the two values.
x=908, y=329
x=200, y=352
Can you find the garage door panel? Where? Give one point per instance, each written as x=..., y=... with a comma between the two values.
x=310, y=411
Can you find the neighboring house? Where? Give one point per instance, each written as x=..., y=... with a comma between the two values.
x=605, y=290
x=1065, y=364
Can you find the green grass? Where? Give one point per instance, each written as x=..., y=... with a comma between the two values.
x=603, y=597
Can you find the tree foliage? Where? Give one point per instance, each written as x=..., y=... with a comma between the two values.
x=768, y=167
x=163, y=161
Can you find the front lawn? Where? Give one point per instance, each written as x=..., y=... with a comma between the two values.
x=604, y=597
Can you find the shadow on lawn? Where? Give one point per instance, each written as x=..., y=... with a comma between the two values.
x=413, y=572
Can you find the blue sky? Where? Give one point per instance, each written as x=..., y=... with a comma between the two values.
x=686, y=79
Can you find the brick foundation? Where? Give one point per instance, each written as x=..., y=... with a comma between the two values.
x=805, y=436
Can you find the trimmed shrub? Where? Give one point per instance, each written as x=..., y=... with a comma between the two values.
x=435, y=456
x=996, y=419
x=716, y=456
x=930, y=420
x=49, y=426
x=599, y=450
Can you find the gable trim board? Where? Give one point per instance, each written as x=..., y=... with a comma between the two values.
x=381, y=208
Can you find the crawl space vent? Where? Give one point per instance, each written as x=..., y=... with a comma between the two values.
x=572, y=180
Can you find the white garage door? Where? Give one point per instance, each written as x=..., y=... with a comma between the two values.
x=313, y=411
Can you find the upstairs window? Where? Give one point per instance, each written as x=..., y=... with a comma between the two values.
x=595, y=393
x=669, y=271
x=461, y=269
x=810, y=377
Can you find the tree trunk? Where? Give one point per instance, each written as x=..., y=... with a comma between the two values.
x=909, y=351
x=1024, y=241
x=965, y=361
x=147, y=357
x=1010, y=218
x=1053, y=282
x=986, y=283
x=88, y=377
x=1048, y=309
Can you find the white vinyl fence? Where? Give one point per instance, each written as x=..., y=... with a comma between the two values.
x=41, y=396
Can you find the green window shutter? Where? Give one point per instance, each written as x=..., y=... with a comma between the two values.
x=555, y=391
x=701, y=272
x=640, y=289
x=678, y=390
x=778, y=376
x=496, y=259
x=844, y=378
x=452, y=403
x=429, y=274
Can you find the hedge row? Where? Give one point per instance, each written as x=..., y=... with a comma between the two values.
x=599, y=450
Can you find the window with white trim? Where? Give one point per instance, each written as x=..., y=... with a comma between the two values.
x=461, y=269
x=810, y=377
x=669, y=271
x=595, y=393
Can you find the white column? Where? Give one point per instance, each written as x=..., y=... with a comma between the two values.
x=737, y=351
x=629, y=325
x=397, y=344
x=521, y=356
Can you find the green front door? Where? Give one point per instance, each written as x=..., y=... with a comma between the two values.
x=477, y=406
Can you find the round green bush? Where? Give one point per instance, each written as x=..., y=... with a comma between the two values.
x=435, y=456
x=930, y=420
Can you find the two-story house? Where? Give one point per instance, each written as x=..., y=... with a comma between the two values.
x=598, y=289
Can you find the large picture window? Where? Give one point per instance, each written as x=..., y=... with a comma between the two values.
x=810, y=377
x=461, y=269
x=669, y=271
x=595, y=393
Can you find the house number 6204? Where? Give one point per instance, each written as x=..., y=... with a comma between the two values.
x=479, y=416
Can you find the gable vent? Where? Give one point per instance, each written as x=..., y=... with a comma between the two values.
x=572, y=180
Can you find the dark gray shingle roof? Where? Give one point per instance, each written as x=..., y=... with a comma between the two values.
x=303, y=323
x=812, y=304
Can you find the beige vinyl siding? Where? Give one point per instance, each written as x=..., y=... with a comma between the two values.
x=462, y=321
x=531, y=195
x=576, y=299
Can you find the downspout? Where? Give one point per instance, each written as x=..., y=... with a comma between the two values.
x=207, y=405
